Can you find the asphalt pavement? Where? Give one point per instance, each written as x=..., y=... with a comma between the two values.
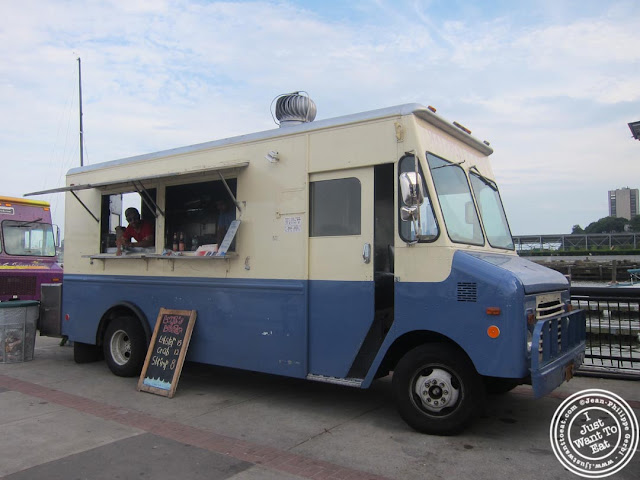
x=62, y=420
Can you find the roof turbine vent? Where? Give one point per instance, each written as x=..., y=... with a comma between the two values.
x=294, y=109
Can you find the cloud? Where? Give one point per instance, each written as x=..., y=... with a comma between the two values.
x=551, y=85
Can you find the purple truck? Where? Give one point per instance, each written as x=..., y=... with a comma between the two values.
x=27, y=249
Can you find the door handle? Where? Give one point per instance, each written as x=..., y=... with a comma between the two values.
x=366, y=253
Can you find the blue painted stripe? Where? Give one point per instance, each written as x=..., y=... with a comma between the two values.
x=436, y=307
x=261, y=325
x=280, y=285
x=295, y=327
x=256, y=325
x=340, y=315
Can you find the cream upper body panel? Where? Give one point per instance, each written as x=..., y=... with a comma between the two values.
x=269, y=194
x=273, y=237
x=431, y=262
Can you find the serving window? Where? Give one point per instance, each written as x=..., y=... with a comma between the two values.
x=113, y=210
x=183, y=217
x=198, y=214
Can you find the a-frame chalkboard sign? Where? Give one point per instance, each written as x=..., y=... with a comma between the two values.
x=167, y=350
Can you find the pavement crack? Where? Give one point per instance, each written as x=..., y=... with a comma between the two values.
x=223, y=406
x=330, y=430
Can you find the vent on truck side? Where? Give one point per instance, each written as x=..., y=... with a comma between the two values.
x=467, y=292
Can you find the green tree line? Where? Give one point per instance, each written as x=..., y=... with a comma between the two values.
x=610, y=225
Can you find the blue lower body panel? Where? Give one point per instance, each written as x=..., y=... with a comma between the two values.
x=340, y=315
x=284, y=327
x=557, y=350
x=258, y=325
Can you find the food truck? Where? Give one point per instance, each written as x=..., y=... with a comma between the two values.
x=27, y=249
x=360, y=246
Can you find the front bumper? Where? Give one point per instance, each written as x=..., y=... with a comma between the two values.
x=560, y=350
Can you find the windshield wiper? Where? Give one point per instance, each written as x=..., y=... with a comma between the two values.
x=26, y=223
x=490, y=183
x=448, y=165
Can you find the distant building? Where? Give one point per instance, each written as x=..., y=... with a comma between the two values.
x=624, y=203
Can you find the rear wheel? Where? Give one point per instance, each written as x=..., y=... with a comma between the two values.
x=125, y=346
x=436, y=389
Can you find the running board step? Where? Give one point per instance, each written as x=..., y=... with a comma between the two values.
x=347, y=382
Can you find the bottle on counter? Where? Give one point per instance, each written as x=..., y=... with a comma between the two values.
x=181, y=244
x=175, y=242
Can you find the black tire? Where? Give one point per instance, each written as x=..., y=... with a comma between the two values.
x=498, y=386
x=125, y=346
x=450, y=393
x=86, y=353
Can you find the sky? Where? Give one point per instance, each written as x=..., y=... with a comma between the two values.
x=551, y=84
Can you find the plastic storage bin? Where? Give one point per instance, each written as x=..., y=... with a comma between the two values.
x=18, y=322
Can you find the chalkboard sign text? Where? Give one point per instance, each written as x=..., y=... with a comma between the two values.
x=167, y=352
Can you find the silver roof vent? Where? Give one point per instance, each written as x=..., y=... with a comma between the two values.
x=294, y=109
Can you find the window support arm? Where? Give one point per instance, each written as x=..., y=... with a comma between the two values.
x=235, y=201
x=146, y=198
x=85, y=207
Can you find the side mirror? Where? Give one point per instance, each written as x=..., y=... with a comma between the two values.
x=411, y=189
x=56, y=240
x=408, y=214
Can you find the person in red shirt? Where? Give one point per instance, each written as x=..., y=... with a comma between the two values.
x=142, y=231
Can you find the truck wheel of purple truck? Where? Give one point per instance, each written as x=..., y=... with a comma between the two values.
x=437, y=389
x=125, y=346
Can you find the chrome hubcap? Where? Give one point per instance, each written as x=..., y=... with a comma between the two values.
x=120, y=347
x=436, y=390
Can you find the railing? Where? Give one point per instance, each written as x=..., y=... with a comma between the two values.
x=585, y=241
x=613, y=330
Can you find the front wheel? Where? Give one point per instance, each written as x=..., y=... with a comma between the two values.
x=125, y=346
x=436, y=389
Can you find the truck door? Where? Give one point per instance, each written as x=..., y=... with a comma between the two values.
x=341, y=277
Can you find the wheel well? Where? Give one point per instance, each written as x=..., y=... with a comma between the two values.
x=124, y=309
x=409, y=341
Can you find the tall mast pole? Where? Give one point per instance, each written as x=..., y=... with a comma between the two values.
x=80, y=92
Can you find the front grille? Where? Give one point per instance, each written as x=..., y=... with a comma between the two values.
x=549, y=305
x=18, y=285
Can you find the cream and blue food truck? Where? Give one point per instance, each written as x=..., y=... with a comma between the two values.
x=362, y=245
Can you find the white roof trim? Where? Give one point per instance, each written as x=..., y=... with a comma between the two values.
x=399, y=110
x=126, y=181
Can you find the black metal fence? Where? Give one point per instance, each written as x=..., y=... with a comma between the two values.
x=588, y=241
x=613, y=330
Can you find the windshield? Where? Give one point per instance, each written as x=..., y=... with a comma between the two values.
x=32, y=239
x=454, y=195
x=491, y=211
